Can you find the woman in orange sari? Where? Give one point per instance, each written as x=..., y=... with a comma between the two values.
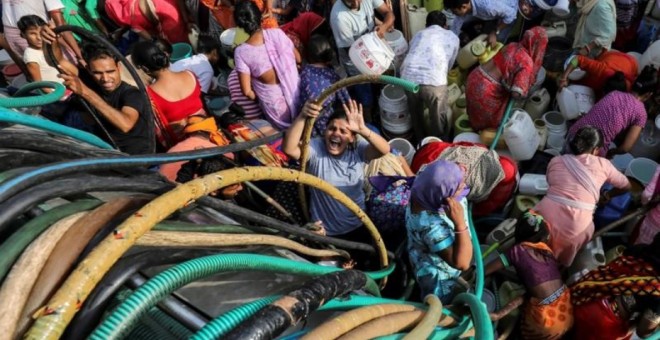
x=223, y=12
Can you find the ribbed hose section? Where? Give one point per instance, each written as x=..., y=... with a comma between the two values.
x=124, y=317
x=219, y=326
x=48, y=98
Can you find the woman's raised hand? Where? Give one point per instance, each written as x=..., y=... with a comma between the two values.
x=354, y=116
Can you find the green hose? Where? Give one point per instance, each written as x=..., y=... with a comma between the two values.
x=407, y=85
x=10, y=116
x=13, y=247
x=490, y=249
x=507, y=113
x=35, y=100
x=191, y=227
x=124, y=317
x=478, y=260
x=655, y=335
x=482, y=324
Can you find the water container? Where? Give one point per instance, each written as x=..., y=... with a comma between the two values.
x=613, y=253
x=621, y=161
x=462, y=125
x=555, y=29
x=542, y=130
x=614, y=210
x=561, y=9
x=641, y=169
x=648, y=143
x=429, y=139
x=394, y=115
x=533, y=184
x=193, y=37
x=416, y=18
x=575, y=100
x=434, y=5
x=406, y=149
x=11, y=71
x=521, y=136
x=371, y=54
x=538, y=82
x=537, y=103
x=487, y=136
x=455, y=77
x=458, y=109
x=503, y=231
x=651, y=56
x=558, y=49
x=398, y=44
x=489, y=53
x=453, y=93
x=522, y=203
x=467, y=137
x=556, y=125
x=589, y=258
x=469, y=54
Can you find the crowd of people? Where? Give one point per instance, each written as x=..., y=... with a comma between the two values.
x=293, y=50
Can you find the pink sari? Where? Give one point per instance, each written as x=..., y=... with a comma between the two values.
x=280, y=53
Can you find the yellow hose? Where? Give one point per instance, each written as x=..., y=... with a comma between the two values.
x=430, y=320
x=386, y=325
x=345, y=322
x=188, y=239
x=88, y=273
x=17, y=285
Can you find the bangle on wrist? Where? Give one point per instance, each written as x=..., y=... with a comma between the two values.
x=456, y=231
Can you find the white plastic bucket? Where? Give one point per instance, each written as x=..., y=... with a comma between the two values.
x=521, y=136
x=641, y=169
x=398, y=44
x=370, y=54
x=556, y=125
x=467, y=137
x=227, y=39
x=394, y=110
x=429, y=139
x=575, y=100
x=621, y=162
x=538, y=103
x=405, y=147
x=533, y=184
x=561, y=8
x=416, y=19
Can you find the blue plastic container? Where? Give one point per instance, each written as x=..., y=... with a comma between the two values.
x=614, y=210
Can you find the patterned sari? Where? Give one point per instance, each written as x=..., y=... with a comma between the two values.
x=518, y=64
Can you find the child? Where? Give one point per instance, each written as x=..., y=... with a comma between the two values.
x=548, y=313
x=34, y=58
x=318, y=75
x=439, y=243
x=203, y=167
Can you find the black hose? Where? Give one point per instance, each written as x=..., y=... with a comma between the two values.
x=272, y=320
x=260, y=219
x=63, y=146
x=15, y=158
x=97, y=38
x=91, y=311
x=30, y=198
x=60, y=169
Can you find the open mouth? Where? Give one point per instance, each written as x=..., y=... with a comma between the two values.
x=334, y=142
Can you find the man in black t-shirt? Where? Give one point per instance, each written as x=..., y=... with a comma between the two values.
x=122, y=109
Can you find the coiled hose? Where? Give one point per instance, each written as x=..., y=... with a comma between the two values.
x=480, y=317
x=88, y=273
x=385, y=325
x=10, y=116
x=50, y=171
x=55, y=95
x=426, y=326
x=275, y=318
x=309, y=123
x=124, y=317
x=12, y=247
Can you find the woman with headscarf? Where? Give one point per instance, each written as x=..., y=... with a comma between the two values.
x=510, y=74
x=612, y=299
x=574, y=183
x=596, y=27
x=439, y=243
x=266, y=66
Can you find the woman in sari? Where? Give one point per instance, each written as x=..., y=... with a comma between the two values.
x=596, y=27
x=510, y=74
x=574, y=189
x=622, y=294
x=548, y=312
x=266, y=66
x=223, y=13
x=151, y=19
x=601, y=68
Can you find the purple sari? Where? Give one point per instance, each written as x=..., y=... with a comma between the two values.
x=280, y=53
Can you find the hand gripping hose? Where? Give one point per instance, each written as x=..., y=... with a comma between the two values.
x=48, y=98
x=50, y=171
x=275, y=318
x=125, y=316
x=309, y=123
x=10, y=116
x=76, y=288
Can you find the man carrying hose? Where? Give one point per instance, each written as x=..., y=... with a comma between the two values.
x=350, y=19
x=122, y=110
